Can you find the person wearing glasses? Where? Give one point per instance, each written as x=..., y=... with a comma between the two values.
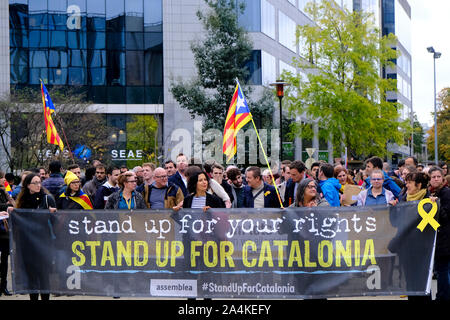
x=127, y=197
x=73, y=197
x=162, y=194
x=376, y=194
x=307, y=195
x=5, y=201
x=37, y=262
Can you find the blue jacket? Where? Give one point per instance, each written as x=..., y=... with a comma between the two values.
x=388, y=184
x=270, y=197
x=53, y=184
x=330, y=189
x=177, y=180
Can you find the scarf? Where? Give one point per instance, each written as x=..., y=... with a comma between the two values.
x=82, y=199
x=417, y=196
x=434, y=191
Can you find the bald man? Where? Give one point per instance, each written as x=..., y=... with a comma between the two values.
x=161, y=194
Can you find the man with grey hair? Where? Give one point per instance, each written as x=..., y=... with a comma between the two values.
x=162, y=194
x=139, y=171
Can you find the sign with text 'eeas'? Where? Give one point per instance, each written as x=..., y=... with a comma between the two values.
x=223, y=253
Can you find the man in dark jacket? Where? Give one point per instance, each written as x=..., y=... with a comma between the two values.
x=442, y=254
x=258, y=194
x=237, y=187
x=297, y=171
x=108, y=188
x=179, y=178
x=55, y=181
x=90, y=188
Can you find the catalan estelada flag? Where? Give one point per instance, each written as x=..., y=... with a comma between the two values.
x=8, y=188
x=82, y=199
x=52, y=134
x=238, y=116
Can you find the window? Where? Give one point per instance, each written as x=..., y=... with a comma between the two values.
x=250, y=19
x=269, y=72
x=115, y=46
x=267, y=19
x=286, y=31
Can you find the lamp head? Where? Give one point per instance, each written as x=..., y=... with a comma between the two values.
x=437, y=55
x=430, y=49
x=279, y=84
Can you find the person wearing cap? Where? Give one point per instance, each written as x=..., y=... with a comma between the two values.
x=73, y=197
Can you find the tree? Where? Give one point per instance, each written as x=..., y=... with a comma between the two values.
x=344, y=91
x=419, y=136
x=23, y=126
x=443, y=127
x=220, y=59
x=142, y=135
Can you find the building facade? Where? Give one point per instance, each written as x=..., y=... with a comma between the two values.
x=125, y=54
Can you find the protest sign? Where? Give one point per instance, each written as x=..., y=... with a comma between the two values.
x=223, y=253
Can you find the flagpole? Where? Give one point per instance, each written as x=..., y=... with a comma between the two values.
x=268, y=165
x=265, y=156
x=65, y=138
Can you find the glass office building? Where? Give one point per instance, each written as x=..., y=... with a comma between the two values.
x=111, y=50
x=111, y=47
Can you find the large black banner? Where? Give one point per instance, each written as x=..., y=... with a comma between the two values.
x=223, y=253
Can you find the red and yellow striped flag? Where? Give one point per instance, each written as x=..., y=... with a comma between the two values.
x=52, y=134
x=8, y=188
x=238, y=116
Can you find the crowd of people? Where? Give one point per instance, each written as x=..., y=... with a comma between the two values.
x=181, y=184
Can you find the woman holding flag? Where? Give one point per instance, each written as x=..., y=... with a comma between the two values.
x=73, y=197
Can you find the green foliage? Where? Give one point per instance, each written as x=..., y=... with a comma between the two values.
x=419, y=136
x=344, y=91
x=443, y=128
x=142, y=135
x=219, y=59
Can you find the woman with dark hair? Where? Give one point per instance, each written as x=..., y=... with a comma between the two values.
x=36, y=262
x=127, y=197
x=307, y=195
x=439, y=189
x=416, y=186
x=416, y=190
x=5, y=201
x=198, y=185
x=404, y=172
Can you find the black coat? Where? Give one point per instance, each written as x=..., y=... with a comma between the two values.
x=177, y=180
x=443, y=232
x=211, y=201
x=39, y=200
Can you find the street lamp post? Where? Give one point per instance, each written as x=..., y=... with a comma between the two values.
x=279, y=84
x=436, y=55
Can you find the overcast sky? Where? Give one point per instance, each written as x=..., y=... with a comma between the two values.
x=430, y=26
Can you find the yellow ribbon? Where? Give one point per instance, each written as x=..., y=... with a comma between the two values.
x=427, y=217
